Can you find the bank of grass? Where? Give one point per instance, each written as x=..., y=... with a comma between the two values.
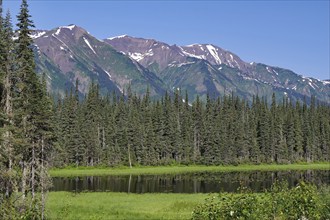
x=113, y=205
x=110, y=205
x=102, y=171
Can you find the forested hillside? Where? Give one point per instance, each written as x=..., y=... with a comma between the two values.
x=115, y=130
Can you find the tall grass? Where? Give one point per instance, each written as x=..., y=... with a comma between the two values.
x=304, y=201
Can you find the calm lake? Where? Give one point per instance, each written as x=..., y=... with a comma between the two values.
x=202, y=182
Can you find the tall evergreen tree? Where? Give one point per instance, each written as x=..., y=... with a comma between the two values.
x=27, y=106
x=197, y=114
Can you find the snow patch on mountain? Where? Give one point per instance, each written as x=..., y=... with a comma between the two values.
x=202, y=57
x=311, y=85
x=120, y=89
x=140, y=56
x=58, y=31
x=165, y=47
x=214, y=53
x=247, y=78
x=237, y=64
x=38, y=49
x=108, y=74
x=70, y=27
x=325, y=82
x=136, y=56
x=309, y=79
x=231, y=57
x=230, y=62
x=89, y=45
x=180, y=64
x=37, y=34
x=53, y=35
x=117, y=37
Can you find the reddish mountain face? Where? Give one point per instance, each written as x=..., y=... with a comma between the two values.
x=69, y=53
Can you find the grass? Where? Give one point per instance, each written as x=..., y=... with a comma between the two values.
x=95, y=171
x=110, y=205
x=113, y=205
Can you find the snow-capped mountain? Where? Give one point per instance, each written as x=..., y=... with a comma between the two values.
x=149, y=51
x=223, y=70
x=69, y=52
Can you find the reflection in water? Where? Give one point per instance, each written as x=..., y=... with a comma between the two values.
x=202, y=182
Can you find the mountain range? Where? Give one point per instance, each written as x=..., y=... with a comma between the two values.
x=69, y=53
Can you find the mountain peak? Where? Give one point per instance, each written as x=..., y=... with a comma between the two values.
x=67, y=32
x=70, y=27
x=118, y=37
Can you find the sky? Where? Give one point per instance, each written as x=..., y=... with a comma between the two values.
x=290, y=34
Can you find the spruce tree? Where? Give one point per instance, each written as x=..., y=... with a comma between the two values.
x=197, y=115
x=91, y=127
x=32, y=118
x=7, y=98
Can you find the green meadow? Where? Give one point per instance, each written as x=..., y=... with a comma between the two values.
x=101, y=171
x=110, y=205
x=114, y=205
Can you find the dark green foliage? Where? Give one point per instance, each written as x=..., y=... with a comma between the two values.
x=301, y=202
x=26, y=124
x=130, y=130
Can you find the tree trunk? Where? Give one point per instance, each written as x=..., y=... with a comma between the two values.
x=8, y=109
x=24, y=175
x=43, y=179
x=33, y=171
x=129, y=157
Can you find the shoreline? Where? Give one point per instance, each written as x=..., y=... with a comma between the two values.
x=154, y=170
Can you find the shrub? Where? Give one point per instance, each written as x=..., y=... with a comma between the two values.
x=301, y=202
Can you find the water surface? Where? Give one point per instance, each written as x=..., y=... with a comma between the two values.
x=201, y=182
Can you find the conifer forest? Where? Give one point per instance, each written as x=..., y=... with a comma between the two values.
x=38, y=131
x=130, y=130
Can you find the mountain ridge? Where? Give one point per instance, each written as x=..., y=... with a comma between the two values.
x=200, y=69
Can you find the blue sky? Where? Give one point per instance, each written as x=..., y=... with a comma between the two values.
x=288, y=34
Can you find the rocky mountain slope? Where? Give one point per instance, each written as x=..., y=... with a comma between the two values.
x=68, y=53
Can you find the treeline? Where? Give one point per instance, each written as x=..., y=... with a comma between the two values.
x=131, y=130
x=26, y=132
